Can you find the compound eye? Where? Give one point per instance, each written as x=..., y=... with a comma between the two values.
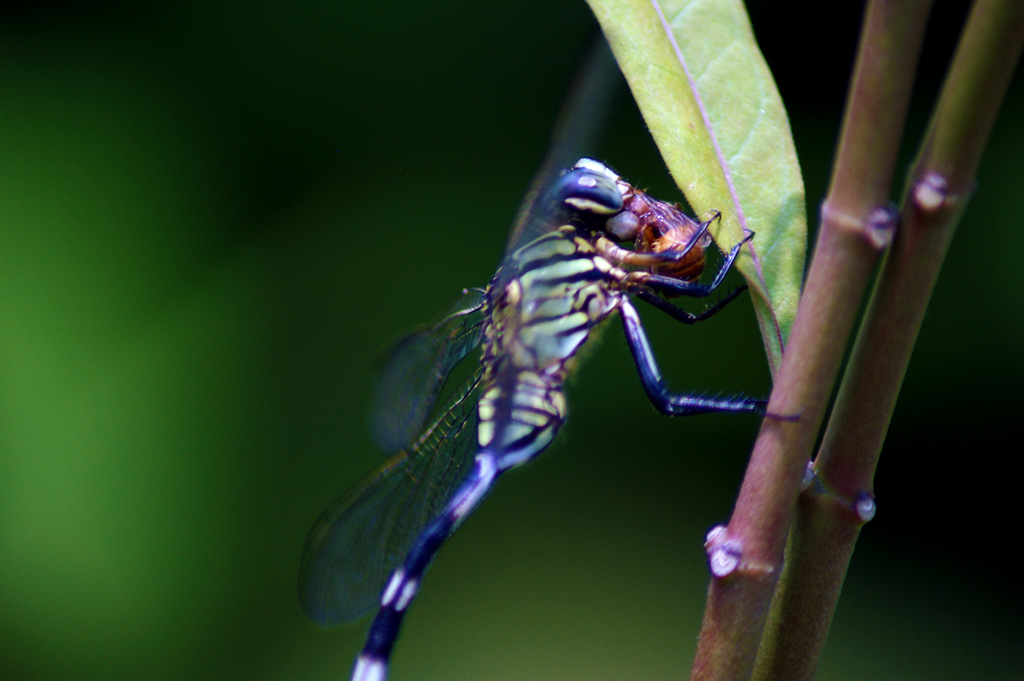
x=624, y=226
x=589, y=191
x=596, y=166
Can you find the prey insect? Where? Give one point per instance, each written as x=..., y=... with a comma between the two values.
x=564, y=274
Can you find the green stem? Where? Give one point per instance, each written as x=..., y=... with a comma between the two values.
x=825, y=529
x=855, y=226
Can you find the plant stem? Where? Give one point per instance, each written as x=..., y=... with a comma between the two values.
x=825, y=530
x=855, y=226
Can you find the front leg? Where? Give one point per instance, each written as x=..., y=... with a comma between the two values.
x=681, y=315
x=677, y=287
x=663, y=400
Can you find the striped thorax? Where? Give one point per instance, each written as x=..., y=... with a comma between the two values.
x=533, y=328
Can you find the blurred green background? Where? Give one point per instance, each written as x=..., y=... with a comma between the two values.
x=213, y=215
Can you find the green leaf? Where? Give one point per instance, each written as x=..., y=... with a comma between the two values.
x=708, y=98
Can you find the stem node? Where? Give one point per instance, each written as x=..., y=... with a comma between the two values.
x=864, y=506
x=931, y=193
x=725, y=556
x=877, y=227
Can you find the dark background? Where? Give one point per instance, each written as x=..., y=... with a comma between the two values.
x=213, y=215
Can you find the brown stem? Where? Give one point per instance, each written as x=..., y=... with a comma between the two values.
x=854, y=228
x=826, y=529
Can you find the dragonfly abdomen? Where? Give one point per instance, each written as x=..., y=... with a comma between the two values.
x=520, y=420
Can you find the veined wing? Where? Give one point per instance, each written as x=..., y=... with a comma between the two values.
x=357, y=543
x=578, y=125
x=415, y=369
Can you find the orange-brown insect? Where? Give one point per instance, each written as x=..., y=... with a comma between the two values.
x=658, y=227
x=667, y=228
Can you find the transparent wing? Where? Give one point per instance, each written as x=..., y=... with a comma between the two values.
x=357, y=543
x=579, y=123
x=415, y=369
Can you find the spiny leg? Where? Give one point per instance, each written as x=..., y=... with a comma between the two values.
x=681, y=315
x=624, y=256
x=663, y=400
x=372, y=663
x=677, y=287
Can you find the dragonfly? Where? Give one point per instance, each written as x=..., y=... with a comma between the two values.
x=565, y=274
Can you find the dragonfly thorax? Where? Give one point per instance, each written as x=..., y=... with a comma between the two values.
x=545, y=314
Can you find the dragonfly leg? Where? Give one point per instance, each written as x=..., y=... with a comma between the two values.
x=663, y=400
x=372, y=663
x=677, y=287
x=682, y=315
